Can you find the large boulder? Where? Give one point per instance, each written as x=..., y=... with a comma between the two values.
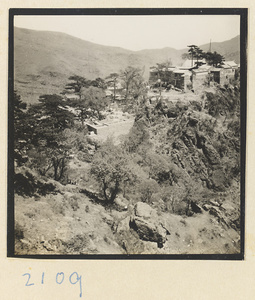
x=149, y=231
x=145, y=222
x=144, y=211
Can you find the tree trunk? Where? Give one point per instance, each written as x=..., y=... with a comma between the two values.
x=62, y=168
x=113, y=194
x=115, y=191
x=55, y=165
x=104, y=191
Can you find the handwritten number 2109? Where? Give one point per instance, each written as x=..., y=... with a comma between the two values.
x=27, y=283
x=74, y=278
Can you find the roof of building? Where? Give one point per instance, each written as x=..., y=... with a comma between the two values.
x=202, y=69
x=226, y=67
x=154, y=69
x=171, y=68
x=178, y=71
x=182, y=72
x=188, y=64
x=230, y=63
x=216, y=69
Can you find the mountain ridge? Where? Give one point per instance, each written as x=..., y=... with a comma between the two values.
x=43, y=60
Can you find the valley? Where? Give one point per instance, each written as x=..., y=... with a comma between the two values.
x=108, y=161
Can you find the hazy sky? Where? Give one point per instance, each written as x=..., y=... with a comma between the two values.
x=139, y=32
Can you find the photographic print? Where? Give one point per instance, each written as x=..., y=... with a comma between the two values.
x=127, y=133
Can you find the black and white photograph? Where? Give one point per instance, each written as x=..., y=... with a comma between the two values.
x=127, y=134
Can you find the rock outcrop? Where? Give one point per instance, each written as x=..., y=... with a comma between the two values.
x=148, y=227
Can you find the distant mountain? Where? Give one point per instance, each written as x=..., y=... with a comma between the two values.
x=44, y=60
x=229, y=49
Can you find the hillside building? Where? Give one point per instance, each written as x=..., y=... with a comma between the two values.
x=165, y=75
x=190, y=75
x=182, y=79
x=225, y=73
x=201, y=76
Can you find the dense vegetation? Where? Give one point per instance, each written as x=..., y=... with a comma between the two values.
x=176, y=156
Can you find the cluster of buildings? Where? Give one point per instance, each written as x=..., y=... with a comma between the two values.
x=189, y=75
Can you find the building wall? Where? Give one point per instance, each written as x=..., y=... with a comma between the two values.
x=199, y=79
x=179, y=81
x=216, y=76
x=164, y=76
x=223, y=76
x=186, y=82
x=226, y=75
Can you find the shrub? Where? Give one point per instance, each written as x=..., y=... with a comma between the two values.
x=24, y=184
x=27, y=185
x=110, y=167
x=147, y=188
x=19, y=231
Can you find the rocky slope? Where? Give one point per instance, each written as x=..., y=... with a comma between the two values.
x=71, y=223
x=190, y=151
